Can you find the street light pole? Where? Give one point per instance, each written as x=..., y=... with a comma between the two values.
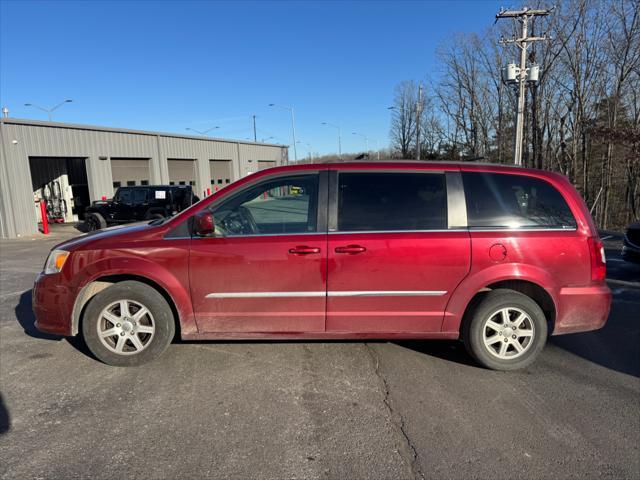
x=49, y=111
x=255, y=138
x=339, y=137
x=293, y=128
x=418, y=115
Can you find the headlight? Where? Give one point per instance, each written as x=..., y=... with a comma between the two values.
x=56, y=261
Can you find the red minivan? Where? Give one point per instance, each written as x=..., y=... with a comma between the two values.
x=499, y=257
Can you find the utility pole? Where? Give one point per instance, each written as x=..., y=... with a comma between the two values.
x=418, y=115
x=525, y=17
x=255, y=137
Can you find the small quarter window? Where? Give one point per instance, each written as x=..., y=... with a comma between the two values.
x=497, y=200
x=391, y=201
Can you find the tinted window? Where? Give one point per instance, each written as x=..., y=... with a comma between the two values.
x=140, y=195
x=514, y=201
x=391, y=201
x=285, y=205
x=124, y=195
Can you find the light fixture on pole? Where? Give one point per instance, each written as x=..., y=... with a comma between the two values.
x=366, y=141
x=339, y=137
x=49, y=111
x=199, y=132
x=293, y=127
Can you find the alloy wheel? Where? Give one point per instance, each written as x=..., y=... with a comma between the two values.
x=126, y=327
x=508, y=333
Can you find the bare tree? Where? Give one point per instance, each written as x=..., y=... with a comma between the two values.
x=403, y=118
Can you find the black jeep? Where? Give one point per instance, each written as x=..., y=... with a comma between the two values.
x=134, y=204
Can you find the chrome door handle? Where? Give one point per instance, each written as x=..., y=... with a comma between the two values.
x=351, y=249
x=304, y=250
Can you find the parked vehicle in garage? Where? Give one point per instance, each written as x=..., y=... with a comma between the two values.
x=499, y=257
x=136, y=203
x=631, y=243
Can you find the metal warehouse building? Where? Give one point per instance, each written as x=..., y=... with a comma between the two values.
x=81, y=163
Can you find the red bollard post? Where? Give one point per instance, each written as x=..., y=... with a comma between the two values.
x=45, y=220
x=208, y=192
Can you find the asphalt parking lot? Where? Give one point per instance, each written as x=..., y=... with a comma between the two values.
x=342, y=410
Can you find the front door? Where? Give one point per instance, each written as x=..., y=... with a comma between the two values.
x=393, y=261
x=122, y=207
x=265, y=268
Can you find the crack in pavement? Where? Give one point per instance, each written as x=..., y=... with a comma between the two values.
x=396, y=418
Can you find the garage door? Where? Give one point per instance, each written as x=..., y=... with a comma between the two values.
x=182, y=172
x=262, y=164
x=129, y=172
x=220, y=172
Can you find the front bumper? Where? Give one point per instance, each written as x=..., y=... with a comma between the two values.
x=52, y=303
x=581, y=309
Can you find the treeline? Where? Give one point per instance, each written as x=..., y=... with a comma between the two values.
x=582, y=117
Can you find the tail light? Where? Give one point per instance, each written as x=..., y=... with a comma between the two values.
x=598, y=260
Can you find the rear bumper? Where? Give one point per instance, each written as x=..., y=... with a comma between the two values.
x=581, y=309
x=51, y=303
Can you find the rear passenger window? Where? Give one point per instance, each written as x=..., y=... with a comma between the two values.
x=391, y=201
x=514, y=201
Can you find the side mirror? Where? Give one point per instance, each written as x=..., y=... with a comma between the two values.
x=203, y=224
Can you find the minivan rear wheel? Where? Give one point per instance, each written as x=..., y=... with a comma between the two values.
x=128, y=324
x=506, y=330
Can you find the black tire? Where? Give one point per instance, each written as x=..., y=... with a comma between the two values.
x=154, y=216
x=94, y=221
x=489, y=308
x=160, y=318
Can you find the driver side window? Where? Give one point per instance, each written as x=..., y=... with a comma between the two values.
x=281, y=206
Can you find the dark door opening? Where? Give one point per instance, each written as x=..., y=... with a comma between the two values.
x=62, y=183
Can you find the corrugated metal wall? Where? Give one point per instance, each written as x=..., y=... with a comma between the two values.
x=22, y=139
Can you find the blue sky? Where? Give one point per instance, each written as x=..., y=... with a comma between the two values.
x=170, y=65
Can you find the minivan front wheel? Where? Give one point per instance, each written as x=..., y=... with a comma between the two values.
x=128, y=324
x=505, y=331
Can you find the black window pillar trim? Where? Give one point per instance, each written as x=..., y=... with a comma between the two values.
x=333, y=201
x=322, y=201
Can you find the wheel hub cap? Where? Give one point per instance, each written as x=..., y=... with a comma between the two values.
x=128, y=326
